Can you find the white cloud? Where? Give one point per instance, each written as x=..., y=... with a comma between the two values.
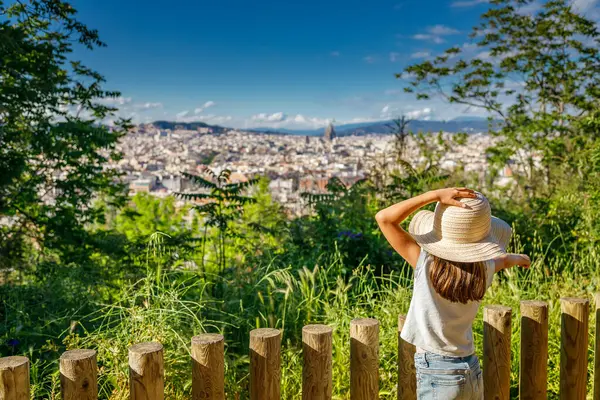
x=206, y=105
x=264, y=117
x=435, y=33
x=312, y=121
x=388, y=112
x=335, y=54
x=407, y=75
x=369, y=59
x=149, y=106
x=588, y=8
x=114, y=101
x=484, y=55
x=358, y=120
x=468, y=3
x=434, y=39
x=421, y=36
x=299, y=119
x=530, y=8
x=215, y=119
x=420, y=54
x=281, y=120
x=424, y=113
x=394, y=56
x=208, y=118
x=182, y=114
x=442, y=30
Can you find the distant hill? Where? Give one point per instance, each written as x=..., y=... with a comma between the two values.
x=452, y=126
x=459, y=124
x=313, y=132
x=187, y=125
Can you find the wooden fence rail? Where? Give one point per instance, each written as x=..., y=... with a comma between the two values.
x=78, y=368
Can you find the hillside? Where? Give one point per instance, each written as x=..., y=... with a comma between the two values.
x=460, y=124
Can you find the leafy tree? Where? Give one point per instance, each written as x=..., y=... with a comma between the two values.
x=399, y=128
x=264, y=224
x=538, y=74
x=408, y=181
x=148, y=215
x=222, y=204
x=343, y=223
x=53, y=149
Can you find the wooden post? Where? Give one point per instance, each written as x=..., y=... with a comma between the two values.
x=496, y=352
x=208, y=367
x=265, y=364
x=317, y=380
x=79, y=375
x=14, y=378
x=407, y=374
x=364, y=359
x=534, y=350
x=146, y=372
x=573, y=348
x=597, y=349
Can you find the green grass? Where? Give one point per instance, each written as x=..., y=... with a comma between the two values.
x=171, y=306
x=179, y=306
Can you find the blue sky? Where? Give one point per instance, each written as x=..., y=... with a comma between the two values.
x=293, y=64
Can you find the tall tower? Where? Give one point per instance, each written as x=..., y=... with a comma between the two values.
x=329, y=132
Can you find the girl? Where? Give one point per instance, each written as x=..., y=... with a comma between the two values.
x=455, y=252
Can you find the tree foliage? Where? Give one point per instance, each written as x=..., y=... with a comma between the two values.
x=221, y=203
x=538, y=73
x=53, y=149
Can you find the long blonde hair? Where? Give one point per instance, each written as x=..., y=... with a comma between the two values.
x=457, y=281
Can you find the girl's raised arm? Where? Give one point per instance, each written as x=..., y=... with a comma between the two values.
x=510, y=260
x=389, y=219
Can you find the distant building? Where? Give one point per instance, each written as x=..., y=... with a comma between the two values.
x=329, y=132
x=172, y=183
x=140, y=185
x=311, y=184
x=204, y=130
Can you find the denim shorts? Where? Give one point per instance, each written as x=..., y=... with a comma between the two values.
x=446, y=378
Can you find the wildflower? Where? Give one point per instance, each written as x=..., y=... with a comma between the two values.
x=13, y=342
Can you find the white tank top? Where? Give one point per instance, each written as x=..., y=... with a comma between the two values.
x=435, y=324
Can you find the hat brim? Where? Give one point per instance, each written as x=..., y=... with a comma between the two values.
x=491, y=246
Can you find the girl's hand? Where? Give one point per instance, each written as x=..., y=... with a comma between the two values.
x=448, y=196
x=522, y=260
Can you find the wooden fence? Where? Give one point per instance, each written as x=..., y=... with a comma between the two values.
x=78, y=368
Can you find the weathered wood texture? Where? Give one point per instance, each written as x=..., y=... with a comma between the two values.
x=364, y=359
x=573, y=348
x=146, y=372
x=533, y=378
x=496, y=352
x=208, y=367
x=317, y=380
x=265, y=364
x=14, y=378
x=79, y=375
x=407, y=375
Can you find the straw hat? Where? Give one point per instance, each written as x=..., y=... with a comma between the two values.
x=461, y=234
